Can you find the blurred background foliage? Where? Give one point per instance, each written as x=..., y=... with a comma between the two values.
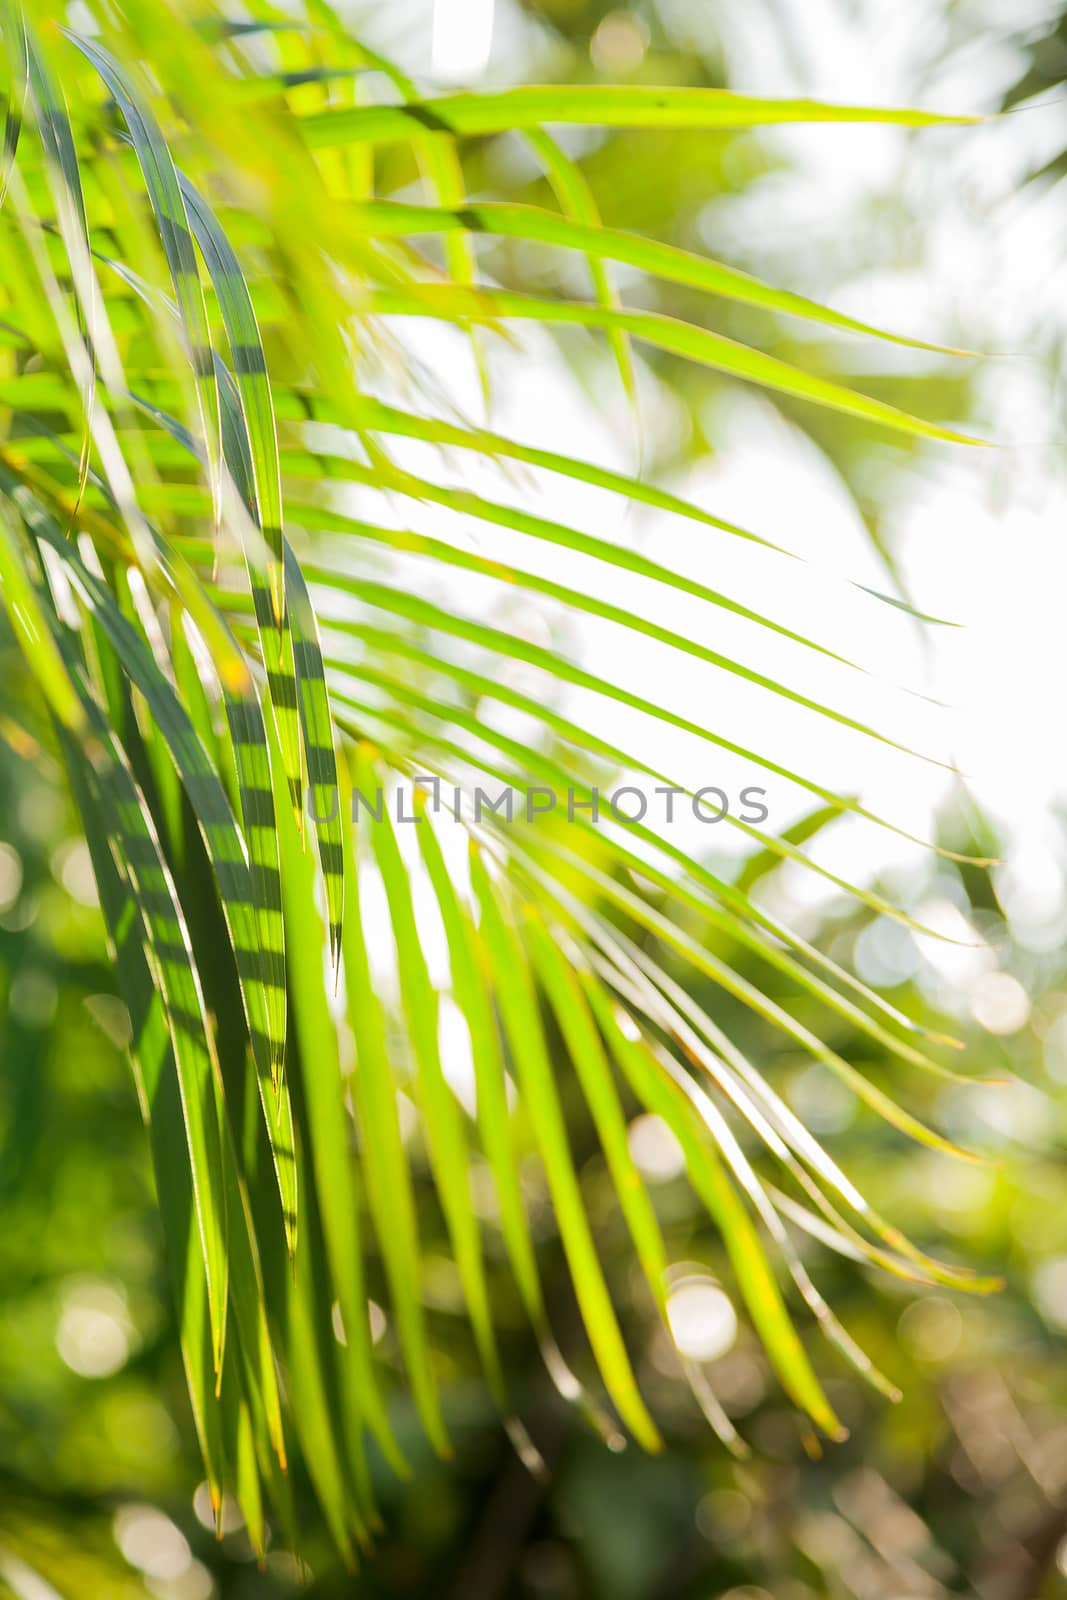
x=959, y=1489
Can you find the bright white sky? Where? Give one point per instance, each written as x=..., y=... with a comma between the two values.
x=979, y=534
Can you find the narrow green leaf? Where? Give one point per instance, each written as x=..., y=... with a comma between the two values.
x=760, y=862
x=471, y=992
x=155, y=1072
x=583, y=231
x=583, y=601
x=376, y=416
x=388, y=1177
x=164, y=191
x=53, y=123
x=544, y=529
x=246, y=737
x=472, y=996
x=559, y=975
x=30, y=626
x=249, y=1492
x=316, y=724
x=222, y=838
x=643, y=983
x=15, y=44
x=253, y=417
x=132, y=840
x=736, y=923
x=685, y=339
x=754, y=1276
x=576, y=199
x=441, y=1119
x=306, y=1294
x=742, y=989
x=602, y=105
x=323, y=1089
x=522, y=1023
x=510, y=647
x=250, y=368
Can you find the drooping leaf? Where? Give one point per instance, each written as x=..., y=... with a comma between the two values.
x=601, y=105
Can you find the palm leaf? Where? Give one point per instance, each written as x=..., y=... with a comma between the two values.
x=601, y=245
x=447, y=301
x=599, y=105
x=177, y=646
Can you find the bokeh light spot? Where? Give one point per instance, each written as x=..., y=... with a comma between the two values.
x=703, y=1321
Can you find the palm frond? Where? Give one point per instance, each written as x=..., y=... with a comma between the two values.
x=190, y=438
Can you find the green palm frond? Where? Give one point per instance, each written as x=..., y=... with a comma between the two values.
x=201, y=371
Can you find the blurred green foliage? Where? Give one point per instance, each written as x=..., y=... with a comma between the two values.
x=952, y=1491
x=957, y=1490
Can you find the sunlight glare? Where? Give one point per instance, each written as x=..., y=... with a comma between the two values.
x=462, y=39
